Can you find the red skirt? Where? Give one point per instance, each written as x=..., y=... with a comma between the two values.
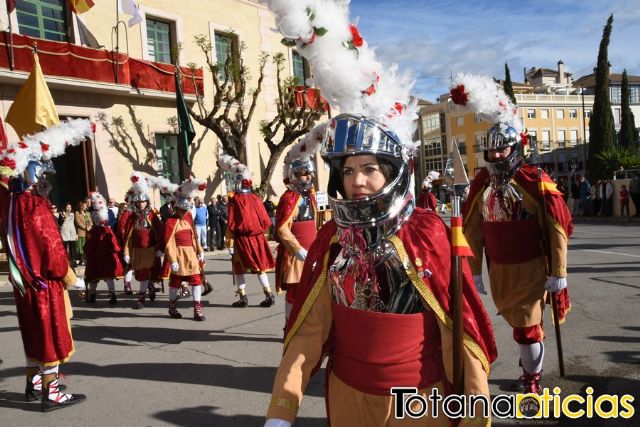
x=252, y=254
x=46, y=333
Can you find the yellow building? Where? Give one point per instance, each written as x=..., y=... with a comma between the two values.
x=132, y=99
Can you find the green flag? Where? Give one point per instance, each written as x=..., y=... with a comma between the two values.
x=186, y=133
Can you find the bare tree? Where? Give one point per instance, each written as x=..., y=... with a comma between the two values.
x=292, y=121
x=229, y=118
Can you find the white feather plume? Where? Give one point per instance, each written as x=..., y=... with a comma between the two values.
x=348, y=76
x=231, y=164
x=306, y=148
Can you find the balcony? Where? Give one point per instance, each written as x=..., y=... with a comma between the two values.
x=309, y=97
x=85, y=69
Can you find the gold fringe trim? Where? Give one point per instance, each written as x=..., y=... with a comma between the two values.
x=430, y=298
x=285, y=403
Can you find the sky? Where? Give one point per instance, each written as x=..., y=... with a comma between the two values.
x=437, y=38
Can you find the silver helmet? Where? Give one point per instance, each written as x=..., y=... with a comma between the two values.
x=499, y=137
x=297, y=169
x=348, y=135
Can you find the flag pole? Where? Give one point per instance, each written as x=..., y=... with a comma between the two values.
x=11, y=60
x=535, y=159
x=456, y=291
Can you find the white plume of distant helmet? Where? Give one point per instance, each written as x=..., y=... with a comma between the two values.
x=139, y=187
x=345, y=68
x=186, y=191
x=231, y=164
x=487, y=98
x=163, y=185
x=44, y=145
x=306, y=148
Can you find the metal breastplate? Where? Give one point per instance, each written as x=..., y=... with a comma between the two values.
x=141, y=222
x=375, y=282
x=503, y=203
x=305, y=212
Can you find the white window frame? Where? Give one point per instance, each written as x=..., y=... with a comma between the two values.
x=544, y=113
x=560, y=113
x=531, y=113
x=173, y=18
x=460, y=121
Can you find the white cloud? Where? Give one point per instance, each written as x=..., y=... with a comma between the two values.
x=436, y=38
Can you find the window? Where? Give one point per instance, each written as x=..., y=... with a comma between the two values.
x=573, y=113
x=531, y=113
x=587, y=114
x=561, y=138
x=460, y=121
x=169, y=165
x=616, y=94
x=544, y=114
x=477, y=118
x=225, y=47
x=481, y=140
x=462, y=147
x=546, y=138
x=159, y=41
x=560, y=113
x=573, y=137
x=44, y=19
x=431, y=123
x=300, y=68
x=634, y=94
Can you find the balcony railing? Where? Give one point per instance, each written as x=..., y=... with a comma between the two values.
x=73, y=62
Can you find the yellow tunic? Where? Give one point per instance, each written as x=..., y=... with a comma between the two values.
x=185, y=256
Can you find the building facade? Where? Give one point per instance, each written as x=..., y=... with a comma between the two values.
x=122, y=78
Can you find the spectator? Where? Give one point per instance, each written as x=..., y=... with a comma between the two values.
x=574, y=201
x=55, y=213
x=608, y=198
x=214, y=223
x=112, y=213
x=83, y=224
x=585, y=196
x=271, y=211
x=68, y=231
x=222, y=206
x=596, y=197
x=200, y=221
x=624, y=200
x=634, y=193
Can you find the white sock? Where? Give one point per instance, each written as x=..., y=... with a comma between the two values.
x=54, y=393
x=264, y=280
x=196, y=291
x=93, y=286
x=173, y=293
x=531, y=356
x=111, y=284
x=128, y=276
x=144, y=284
x=240, y=281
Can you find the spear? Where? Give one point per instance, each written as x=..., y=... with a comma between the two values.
x=455, y=175
x=535, y=159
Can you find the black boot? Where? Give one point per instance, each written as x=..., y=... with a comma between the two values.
x=269, y=300
x=197, y=311
x=114, y=299
x=48, y=404
x=242, y=302
x=152, y=292
x=140, y=304
x=173, y=310
x=207, y=288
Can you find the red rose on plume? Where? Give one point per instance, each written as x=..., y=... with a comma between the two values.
x=44, y=147
x=458, y=95
x=93, y=127
x=7, y=162
x=399, y=107
x=22, y=144
x=369, y=91
x=356, y=39
x=246, y=183
x=11, y=151
x=202, y=187
x=524, y=138
x=134, y=178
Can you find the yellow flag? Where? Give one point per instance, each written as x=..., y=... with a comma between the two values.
x=33, y=107
x=81, y=6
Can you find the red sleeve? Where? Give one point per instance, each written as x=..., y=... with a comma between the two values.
x=286, y=205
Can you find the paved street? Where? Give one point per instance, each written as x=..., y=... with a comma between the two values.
x=142, y=368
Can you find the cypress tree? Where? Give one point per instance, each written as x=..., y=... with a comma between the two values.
x=602, y=133
x=626, y=134
x=508, y=86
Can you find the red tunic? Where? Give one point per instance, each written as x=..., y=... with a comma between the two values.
x=424, y=244
x=103, y=255
x=41, y=259
x=248, y=221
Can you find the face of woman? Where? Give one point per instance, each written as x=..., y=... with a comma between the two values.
x=362, y=176
x=141, y=204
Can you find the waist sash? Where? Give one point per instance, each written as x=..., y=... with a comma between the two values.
x=184, y=238
x=305, y=232
x=373, y=352
x=143, y=238
x=512, y=242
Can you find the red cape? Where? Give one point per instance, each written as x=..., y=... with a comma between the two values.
x=288, y=202
x=153, y=220
x=170, y=225
x=424, y=241
x=427, y=200
x=103, y=259
x=527, y=178
x=247, y=215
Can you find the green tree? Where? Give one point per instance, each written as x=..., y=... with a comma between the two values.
x=601, y=126
x=508, y=86
x=628, y=135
